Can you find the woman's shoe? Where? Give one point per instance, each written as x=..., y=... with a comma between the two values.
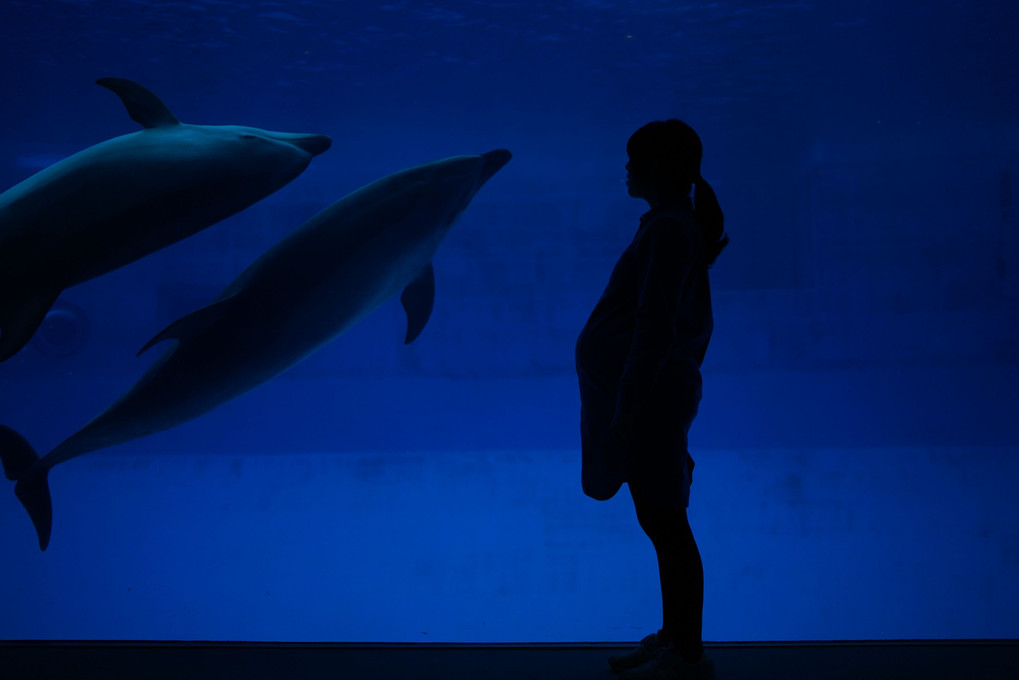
x=649, y=647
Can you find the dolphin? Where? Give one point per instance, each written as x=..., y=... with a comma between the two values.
x=306, y=290
x=129, y=196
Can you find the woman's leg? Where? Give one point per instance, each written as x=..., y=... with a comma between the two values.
x=681, y=574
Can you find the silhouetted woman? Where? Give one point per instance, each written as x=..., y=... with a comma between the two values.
x=638, y=361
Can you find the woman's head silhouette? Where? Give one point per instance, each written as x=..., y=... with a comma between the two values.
x=669, y=149
x=664, y=161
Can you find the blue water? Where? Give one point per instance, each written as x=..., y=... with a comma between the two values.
x=857, y=447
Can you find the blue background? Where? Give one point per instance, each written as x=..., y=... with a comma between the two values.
x=857, y=446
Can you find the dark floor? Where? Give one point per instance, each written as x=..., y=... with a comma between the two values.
x=970, y=660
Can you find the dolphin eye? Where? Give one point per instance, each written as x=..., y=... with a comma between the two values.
x=246, y=136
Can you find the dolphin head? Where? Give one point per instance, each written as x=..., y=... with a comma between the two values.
x=264, y=140
x=309, y=143
x=263, y=160
x=413, y=208
x=492, y=162
x=454, y=182
x=487, y=164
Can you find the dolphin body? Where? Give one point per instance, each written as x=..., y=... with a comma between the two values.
x=129, y=196
x=306, y=290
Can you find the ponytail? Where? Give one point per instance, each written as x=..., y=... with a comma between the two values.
x=709, y=216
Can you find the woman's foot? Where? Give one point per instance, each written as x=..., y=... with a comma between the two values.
x=649, y=647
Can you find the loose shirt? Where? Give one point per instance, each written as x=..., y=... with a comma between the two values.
x=640, y=352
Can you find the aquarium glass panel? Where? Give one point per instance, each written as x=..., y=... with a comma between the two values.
x=290, y=293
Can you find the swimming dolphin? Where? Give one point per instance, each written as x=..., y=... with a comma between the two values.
x=129, y=196
x=306, y=290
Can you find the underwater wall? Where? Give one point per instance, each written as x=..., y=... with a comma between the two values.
x=857, y=445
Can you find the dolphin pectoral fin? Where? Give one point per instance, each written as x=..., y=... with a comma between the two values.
x=144, y=107
x=19, y=319
x=190, y=326
x=418, y=298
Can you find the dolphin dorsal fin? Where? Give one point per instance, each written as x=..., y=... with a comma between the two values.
x=190, y=326
x=143, y=106
x=418, y=298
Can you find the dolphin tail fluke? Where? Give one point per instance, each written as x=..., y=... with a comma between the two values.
x=19, y=319
x=20, y=463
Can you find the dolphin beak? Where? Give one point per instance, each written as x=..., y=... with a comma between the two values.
x=494, y=160
x=312, y=144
